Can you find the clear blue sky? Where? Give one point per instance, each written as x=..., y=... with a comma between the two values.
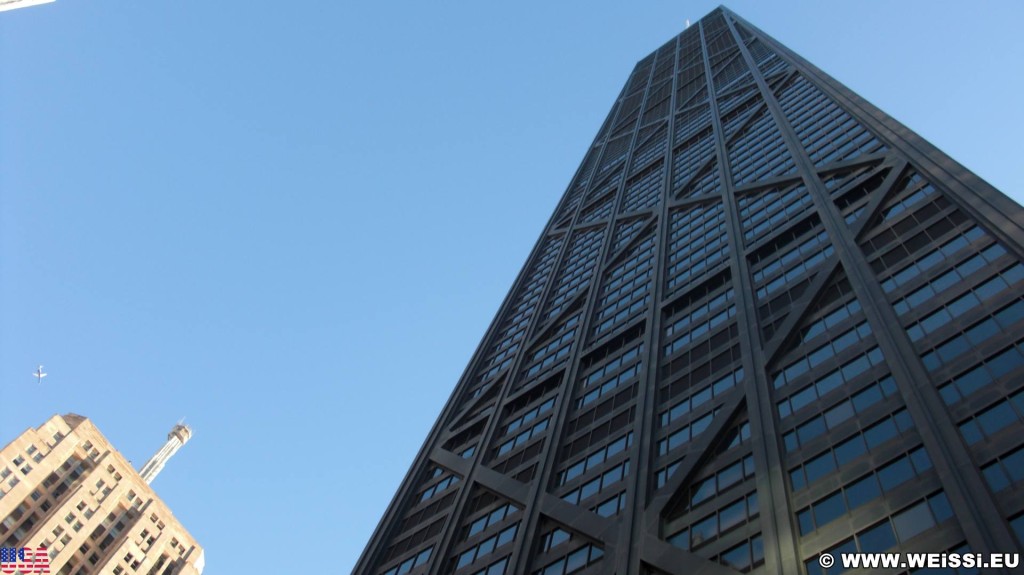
x=292, y=223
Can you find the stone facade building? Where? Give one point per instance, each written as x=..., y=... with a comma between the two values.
x=63, y=486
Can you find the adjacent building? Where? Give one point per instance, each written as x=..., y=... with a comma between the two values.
x=765, y=321
x=63, y=486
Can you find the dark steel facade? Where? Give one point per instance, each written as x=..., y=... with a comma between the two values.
x=765, y=321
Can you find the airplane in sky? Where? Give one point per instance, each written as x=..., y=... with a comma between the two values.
x=39, y=375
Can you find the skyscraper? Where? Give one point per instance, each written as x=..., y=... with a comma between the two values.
x=766, y=321
x=64, y=487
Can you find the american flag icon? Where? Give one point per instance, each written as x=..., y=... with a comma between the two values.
x=24, y=560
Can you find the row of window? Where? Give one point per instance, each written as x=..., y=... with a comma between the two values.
x=837, y=180
x=438, y=487
x=577, y=268
x=830, y=382
x=730, y=73
x=626, y=291
x=625, y=233
x=496, y=568
x=830, y=320
x=491, y=519
x=596, y=458
x=625, y=312
x=644, y=191
x=614, y=152
x=704, y=184
x=841, y=412
x=627, y=375
x=821, y=354
x=598, y=211
x=628, y=274
x=737, y=435
x=573, y=562
x=572, y=198
x=556, y=343
x=847, y=451
x=697, y=241
x=960, y=306
x=953, y=277
x=744, y=556
x=697, y=313
x=520, y=314
x=738, y=108
x=871, y=486
x=709, y=528
x=529, y=415
x=808, y=262
x=692, y=89
x=555, y=350
x=607, y=187
x=984, y=374
x=770, y=64
x=722, y=480
x=611, y=506
x=760, y=152
x=702, y=396
x=771, y=209
x=692, y=120
x=701, y=259
x=654, y=147
x=698, y=330
x=897, y=529
x=854, y=201
x=598, y=484
x=523, y=437
x=827, y=132
x=629, y=356
x=487, y=546
x=994, y=419
x=971, y=339
x=1005, y=471
x=691, y=155
x=903, y=204
x=685, y=434
x=921, y=265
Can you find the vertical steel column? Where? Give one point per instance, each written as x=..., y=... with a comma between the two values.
x=523, y=548
x=631, y=539
x=777, y=533
x=451, y=523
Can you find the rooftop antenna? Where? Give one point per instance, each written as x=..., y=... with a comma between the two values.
x=687, y=22
x=179, y=436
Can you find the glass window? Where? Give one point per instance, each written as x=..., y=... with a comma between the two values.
x=829, y=508
x=997, y=418
x=1017, y=524
x=895, y=474
x=497, y=568
x=913, y=521
x=576, y=560
x=862, y=491
x=877, y=539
